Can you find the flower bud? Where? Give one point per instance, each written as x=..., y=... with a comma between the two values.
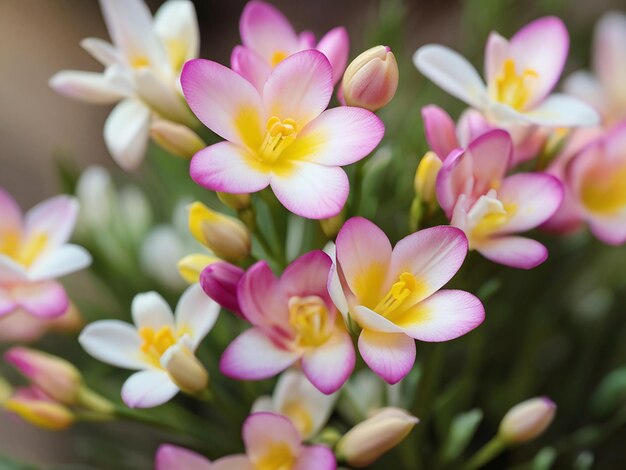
x=54, y=376
x=177, y=139
x=331, y=226
x=219, y=281
x=226, y=236
x=371, y=80
x=185, y=369
x=426, y=177
x=370, y=439
x=527, y=420
x=34, y=406
x=235, y=201
x=191, y=266
x=71, y=321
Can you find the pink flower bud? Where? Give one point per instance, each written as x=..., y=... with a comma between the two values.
x=527, y=420
x=219, y=281
x=37, y=408
x=371, y=80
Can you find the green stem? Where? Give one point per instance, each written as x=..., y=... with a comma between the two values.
x=485, y=454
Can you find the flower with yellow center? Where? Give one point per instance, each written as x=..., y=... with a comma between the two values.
x=160, y=346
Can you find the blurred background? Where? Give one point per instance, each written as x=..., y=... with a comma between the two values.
x=39, y=127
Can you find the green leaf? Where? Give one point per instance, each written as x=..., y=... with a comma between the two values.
x=610, y=393
x=544, y=459
x=462, y=430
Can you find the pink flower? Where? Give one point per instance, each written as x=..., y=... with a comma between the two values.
x=268, y=38
x=281, y=137
x=22, y=327
x=34, y=252
x=478, y=197
x=271, y=441
x=393, y=293
x=219, y=281
x=293, y=320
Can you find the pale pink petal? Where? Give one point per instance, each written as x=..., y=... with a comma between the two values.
x=261, y=431
x=317, y=457
x=45, y=299
x=127, y=132
x=440, y=130
x=11, y=271
x=433, y=256
x=443, y=316
x=10, y=214
x=22, y=327
x=261, y=297
x=7, y=304
x=363, y=249
x=339, y=136
x=311, y=190
x=150, y=310
x=454, y=179
x=196, y=313
x=224, y=101
x=471, y=125
x=336, y=45
x=148, y=388
x=265, y=30
x=114, y=342
x=233, y=462
x=64, y=260
x=169, y=457
x=370, y=320
x=390, y=355
x=586, y=87
x=249, y=65
x=253, y=356
x=491, y=154
x=610, y=230
x=516, y=252
x=561, y=111
x=335, y=289
x=306, y=40
x=228, y=168
x=541, y=46
x=496, y=51
x=452, y=72
x=55, y=218
x=307, y=275
x=329, y=365
x=299, y=88
x=609, y=50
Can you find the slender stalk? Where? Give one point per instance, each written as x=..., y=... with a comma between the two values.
x=485, y=454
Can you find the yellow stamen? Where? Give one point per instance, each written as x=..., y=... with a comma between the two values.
x=278, y=57
x=492, y=221
x=513, y=89
x=155, y=343
x=278, y=457
x=140, y=62
x=279, y=135
x=605, y=193
x=309, y=317
x=406, y=288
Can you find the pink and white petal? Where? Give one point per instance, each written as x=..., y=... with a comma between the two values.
x=262, y=299
x=452, y=72
x=307, y=275
x=253, y=356
x=126, y=133
x=370, y=320
x=542, y=46
x=329, y=365
x=440, y=130
x=7, y=304
x=516, y=252
x=228, y=168
x=64, y=260
x=11, y=214
x=339, y=136
x=266, y=30
x=306, y=40
x=232, y=462
x=472, y=124
x=43, y=299
x=224, y=101
x=609, y=47
x=586, y=87
x=101, y=50
x=433, y=256
x=114, y=342
x=444, y=316
x=299, y=88
x=169, y=457
x=335, y=45
x=11, y=271
x=55, y=218
x=250, y=66
x=390, y=355
x=22, y=327
x=148, y=388
x=455, y=178
x=496, y=51
x=491, y=154
x=196, y=313
x=534, y=198
x=311, y=190
x=90, y=87
x=363, y=250
x=610, y=230
x=560, y=110
x=150, y=310
x=261, y=431
x=316, y=457
x=335, y=289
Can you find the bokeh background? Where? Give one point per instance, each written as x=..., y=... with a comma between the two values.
x=39, y=127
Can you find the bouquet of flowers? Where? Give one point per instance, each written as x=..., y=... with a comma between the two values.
x=316, y=296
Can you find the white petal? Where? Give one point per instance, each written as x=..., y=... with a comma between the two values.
x=90, y=87
x=562, y=111
x=101, y=50
x=197, y=313
x=148, y=388
x=64, y=260
x=10, y=271
x=55, y=218
x=114, y=342
x=126, y=133
x=162, y=96
x=176, y=24
x=152, y=311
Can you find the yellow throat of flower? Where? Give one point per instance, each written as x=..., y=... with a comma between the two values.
x=155, y=343
x=299, y=416
x=278, y=57
x=277, y=457
x=279, y=135
x=139, y=62
x=493, y=220
x=513, y=89
x=402, y=294
x=24, y=252
x=605, y=194
x=309, y=318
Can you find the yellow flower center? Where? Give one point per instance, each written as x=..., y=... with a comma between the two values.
x=309, y=317
x=155, y=343
x=278, y=57
x=279, y=135
x=278, y=457
x=493, y=220
x=299, y=416
x=513, y=89
x=140, y=62
x=24, y=252
x=401, y=295
x=605, y=194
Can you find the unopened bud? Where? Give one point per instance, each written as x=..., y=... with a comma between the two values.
x=426, y=177
x=191, y=266
x=226, y=236
x=219, y=281
x=527, y=420
x=370, y=439
x=371, y=80
x=177, y=139
x=185, y=369
x=70, y=322
x=33, y=406
x=331, y=226
x=54, y=376
x=235, y=201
